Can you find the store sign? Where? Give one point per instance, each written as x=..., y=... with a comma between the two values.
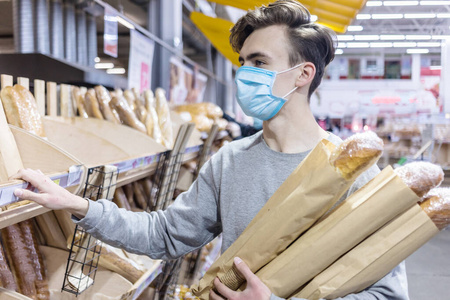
x=140, y=61
x=110, y=36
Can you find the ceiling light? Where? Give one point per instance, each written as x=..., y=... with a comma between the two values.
x=404, y=44
x=125, y=23
x=363, y=16
x=380, y=45
x=339, y=52
x=428, y=44
x=443, y=16
x=420, y=16
x=345, y=37
x=358, y=45
x=435, y=67
x=374, y=3
x=418, y=37
x=116, y=71
x=386, y=16
x=104, y=65
x=440, y=37
x=97, y=59
x=434, y=2
x=342, y=45
x=392, y=37
x=400, y=3
x=314, y=18
x=417, y=51
x=367, y=37
x=354, y=28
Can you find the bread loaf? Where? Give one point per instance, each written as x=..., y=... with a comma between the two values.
x=19, y=256
x=152, y=121
x=139, y=195
x=126, y=114
x=91, y=105
x=356, y=154
x=437, y=206
x=6, y=277
x=121, y=199
x=103, y=99
x=165, y=123
x=21, y=109
x=129, y=96
x=37, y=261
x=111, y=260
x=129, y=192
x=79, y=101
x=140, y=110
x=421, y=177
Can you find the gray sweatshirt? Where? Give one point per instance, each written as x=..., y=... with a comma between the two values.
x=229, y=191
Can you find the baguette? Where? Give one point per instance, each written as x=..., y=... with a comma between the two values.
x=129, y=96
x=21, y=109
x=104, y=98
x=129, y=192
x=165, y=123
x=91, y=104
x=140, y=110
x=121, y=199
x=421, y=177
x=41, y=283
x=6, y=277
x=119, y=263
x=152, y=121
x=436, y=204
x=19, y=256
x=356, y=154
x=139, y=195
x=79, y=101
x=126, y=114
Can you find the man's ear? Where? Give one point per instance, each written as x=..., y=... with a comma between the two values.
x=307, y=75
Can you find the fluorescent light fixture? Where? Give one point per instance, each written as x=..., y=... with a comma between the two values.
x=345, y=38
x=404, y=44
x=417, y=51
x=339, y=52
x=435, y=67
x=116, y=71
x=440, y=37
x=104, y=65
x=314, y=18
x=125, y=23
x=428, y=44
x=420, y=16
x=418, y=37
x=363, y=16
x=342, y=45
x=110, y=18
x=381, y=45
x=400, y=3
x=97, y=59
x=434, y=2
x=386, y=16
x=358, y=45
x=392, y=37
x=354, y=28
x=374, y=3
x=367, y=37
x=443, y=16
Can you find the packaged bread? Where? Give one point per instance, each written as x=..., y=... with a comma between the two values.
x=140, y=110
x=315, y=185
x=103, y=99
x=129, y=96
x=162, y=109
x=357, y=217
x=377, y=255
x=115, y=260
x=126, y=114
x=21, y=109
x=78, y=97
x=6, y=277
x=152, y=121
x=20, y=260
x=91, y=105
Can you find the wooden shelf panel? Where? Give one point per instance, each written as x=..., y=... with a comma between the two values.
x=21, y=213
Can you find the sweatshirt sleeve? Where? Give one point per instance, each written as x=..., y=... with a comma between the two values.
x=190, y=222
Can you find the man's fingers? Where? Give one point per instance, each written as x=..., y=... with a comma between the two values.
x=29, y=195
x=223, y=289
x=242, y=267
x=214, y=296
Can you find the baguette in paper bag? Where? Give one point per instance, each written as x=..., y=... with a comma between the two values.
x=324, y=177
x=382, y=251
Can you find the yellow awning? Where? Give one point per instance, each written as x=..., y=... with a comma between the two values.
x=218, y=33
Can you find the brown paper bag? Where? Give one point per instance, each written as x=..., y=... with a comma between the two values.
x=314, y=177
x=374, y=257
x=369, y=208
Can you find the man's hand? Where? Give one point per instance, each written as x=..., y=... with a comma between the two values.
x=50, y=194
x=255, y=290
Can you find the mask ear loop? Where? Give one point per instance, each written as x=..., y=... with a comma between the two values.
x=287, y=70
x=293, y=90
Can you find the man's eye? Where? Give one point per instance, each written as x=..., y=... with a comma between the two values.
x=258, y=63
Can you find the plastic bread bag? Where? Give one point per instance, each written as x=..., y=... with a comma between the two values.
x=364, y=212
x=152, y=121
x=103, y=99
x=126, y=114
x=319, y=181
x=376, y=256
x=162, y=109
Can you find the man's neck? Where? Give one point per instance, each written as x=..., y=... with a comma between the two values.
x=294, y=129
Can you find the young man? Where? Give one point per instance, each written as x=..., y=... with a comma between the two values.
x=283, y=56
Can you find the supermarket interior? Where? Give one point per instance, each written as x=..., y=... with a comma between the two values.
x=128, y=100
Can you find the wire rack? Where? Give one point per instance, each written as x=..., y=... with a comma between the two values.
x=85, y=250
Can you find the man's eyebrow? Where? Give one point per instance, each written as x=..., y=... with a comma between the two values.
x=253, y=55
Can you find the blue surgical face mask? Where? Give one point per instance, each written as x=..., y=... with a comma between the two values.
x=254, y=92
